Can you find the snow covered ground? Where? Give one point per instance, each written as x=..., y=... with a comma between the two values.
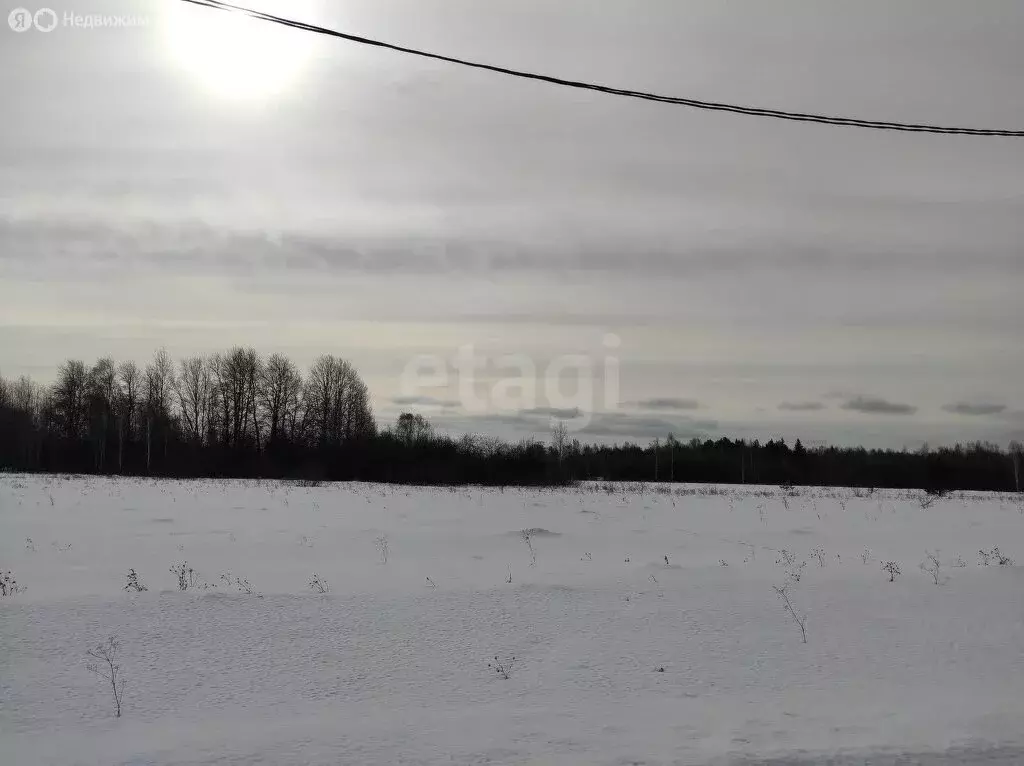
x=620, y=657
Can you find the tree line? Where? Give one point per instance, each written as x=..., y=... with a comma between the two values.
x=236, y=414
x=222, y=411
x=239, y=414
x=975, y=466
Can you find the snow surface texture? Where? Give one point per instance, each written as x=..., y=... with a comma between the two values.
x=620, y=657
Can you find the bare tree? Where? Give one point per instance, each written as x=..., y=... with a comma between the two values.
x=104, y=664
x=410, y=428
x=30, y=403
x=127, y=404
x=280, y=397
x=559, y=439
x=193, y=388
x=101, y=397
x=237, y=376
x=336, y=403
x=1016, y=457
x=68, y=399
x=159, y=386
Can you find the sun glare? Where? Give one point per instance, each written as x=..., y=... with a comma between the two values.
x=235, y=56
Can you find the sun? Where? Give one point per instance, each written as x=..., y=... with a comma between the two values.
x=234, y=56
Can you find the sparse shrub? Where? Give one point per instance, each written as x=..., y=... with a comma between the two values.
x=8, y=585
x=787, y=605
x=382, y=548
x=587, y=557
x=319, y=584
x=723, y=563
x=959, y=563
x=502, y=668
x=994, y=555
x=819, y=554
x=786, y=558
x=133, y=583
x=29, y=545
x=185, y=574
x=933, y=566
x=188, y=578
x=796, y=573
x=243, y=585
x=865, y=556
x=893, y=570
x=431, y=583
x=104, y=664
x=527, y=538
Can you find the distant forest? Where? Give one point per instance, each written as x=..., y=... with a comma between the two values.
x=238, y=414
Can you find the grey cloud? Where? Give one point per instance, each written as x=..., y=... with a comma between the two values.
x=186, y=244
x=424, y=401
x=604, y=425
x=554, y=412
x=838, y=394
x=667, y=403
x=974, y=408
x=875, y=406
x=624, y=425
x=801, y=406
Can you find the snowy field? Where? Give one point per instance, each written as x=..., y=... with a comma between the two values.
x=644, y=625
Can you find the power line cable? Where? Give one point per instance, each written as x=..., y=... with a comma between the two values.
x=689, y=102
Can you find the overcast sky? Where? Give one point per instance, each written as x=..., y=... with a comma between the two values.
x=761, y=278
